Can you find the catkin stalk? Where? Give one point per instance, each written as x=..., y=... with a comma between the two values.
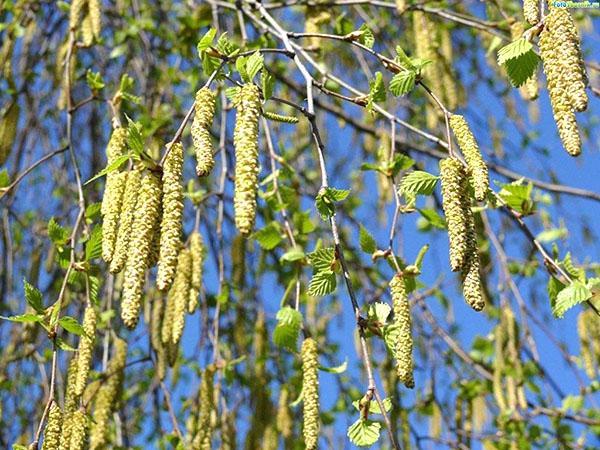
x=310, y=389
x=141, y=240
x=85, y=350
x=470, y=149
x=245, y=140
x=197, y=260
x=170, y=227
x=53, y=428
x=403, y=323
x=200, y=130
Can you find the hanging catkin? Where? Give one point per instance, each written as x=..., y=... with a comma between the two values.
x=170, y=227
x=402, y=323
x=197, y=254
x=156, y=321
x=117, y=147
x=245, y=139
x=529, y=90
x=87, y=31
x=588, y=333
x=200, y=130
x=141, y=239
x=310, y=393
x=451, y=89
x=285, y=423
x=75, y=13
x=179, y=294
x=71, y=401
x=471, y=277
x=128, y=210
x=53, y=428
x=470, y=149
x=561, y=57
x=454, y=186
x=85, y=349
x=95, y=14
x=107, y=396
x=531, y=11
x=79, y=432
x=110, y=222
x=204, y=429
x=8, y=130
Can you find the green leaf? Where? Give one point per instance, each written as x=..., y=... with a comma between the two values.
x=322, y=283
x=337, y=369
x=322, y=259
x=521, y=69
x=402, y=83
x=364, y=433
x=326, y=198
x=296, y=254
x=269, y=237
x=93, y=247
x=401, y=162
x=94, y=80
x=418, y=182
x=57, y=233
x=403, y=59
x=518, y=196
x=514, y=50
x=25, y=318
x=94, y=285
x=134, y=137
x=287, y=331
x=240, y=65
x=4, y=178
x=268, y=83
x=92, y=211
x=374, y=406
x=206, y=41
x=570, y=296
x=367, y=242
x=61, y=344
x=226, y=46
x=110, y=168
x=254, y=65
x=552, y=234
x=376, y=91
x=379, y=311
x=433, y=218
x=71, y=325
x=366, y=38
x=33, y=296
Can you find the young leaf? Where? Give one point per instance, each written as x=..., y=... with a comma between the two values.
x=418, y=182
x=367, y=242
x=254, y=65
x=402, y=83
x=326, y=198
x=364, y=433
x=267, y=84
x=57, y=233
x=570, y=296
x=33, y=296
x=25, y=318
x=295, y=254
x=322, y=283
x=206, y=41
x=520, y=69
x=366, y=38
x=110, y=168
x=71, y=325
x=94, y=80
x=337, y=369
x=269, y=237
x=379, y=311
x=288, y=328
x=376, y=90
x=514, y=50
x=322, y=259
x=93, y=247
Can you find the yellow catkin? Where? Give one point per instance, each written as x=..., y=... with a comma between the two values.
x=531, y=11
x=497, y=387
x=75, y=13
x=529, y=90
x=156, y=338
x=170, y=227
x=71, y=401
x=403, y=324
x=584, y=330
x=245, y=139
x=8, y=130
x=435, y=421
x=95, y=14
x=453, y=178
x=141, y=239
x=228, y=431
x=401, y=6
x=53, y=428
x=85, y=349
x=204, y=428
x=451, y=89
x=128, y=211
x=113, y=198
x=200, y=130
x=315, y=16
x=310, y=393
x=563, y=76
x=87, y=31
x=471, y=276
x=106, y=398
x=179, y=294
x=470, y=149
x=197, y=254
x=285, y=421
x=79, y=432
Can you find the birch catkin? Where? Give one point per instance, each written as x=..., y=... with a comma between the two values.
x=203, y=438
x=75, y=13
x=53, y=428
x=79, y=432
x=128, y=210
x=453, y=178
x=179, y=294
x=310, y=393
x=470, y=149
x=170, y=227
x=471, y=277
x=531, y=11
x=141, y=240
x=85, y=350
x=200, y=130
x=95, y=15
x=70, y=405
x=117, y=147
x=197, y=259
x=110, y=222
x=403, y=323
x=245, y=139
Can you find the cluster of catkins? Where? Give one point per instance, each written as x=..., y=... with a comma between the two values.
x=456, y=202
x=588, y=329
x=91, y=24
x=310, y=393
x=565, y=74
x=403, y=324
x=69, y=428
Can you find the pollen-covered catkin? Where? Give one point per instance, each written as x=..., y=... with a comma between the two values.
x=200, y=130
x=179, y=294
x=197, y=254
x=85, y=349
x=117, y=147
x=95, y=14
x=285, y=422
x=87, y=31
x=53, y=428
x=403, y=324
x=106, y=398
x=79, y=432
x=204, y=427
x=71, y=401
x=128, y=210
x=310, y=393
x=75, y=13
x=470, y=149
x=141, y=239
x=586, y=329
x=529, y=90
x=453, y=178
x=471, y=277
x=531, y=11
x=170, y=227
x=110, y=222
x=245, y=139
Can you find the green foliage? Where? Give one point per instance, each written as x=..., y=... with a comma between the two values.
x=418, y=182
x=364, y=433
x=33, y=296
x=520, y=61
x=367, y=242
x=270, y=236
x=287, y=331
x=402, y=83
x=573, y=294
x=326, y=198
